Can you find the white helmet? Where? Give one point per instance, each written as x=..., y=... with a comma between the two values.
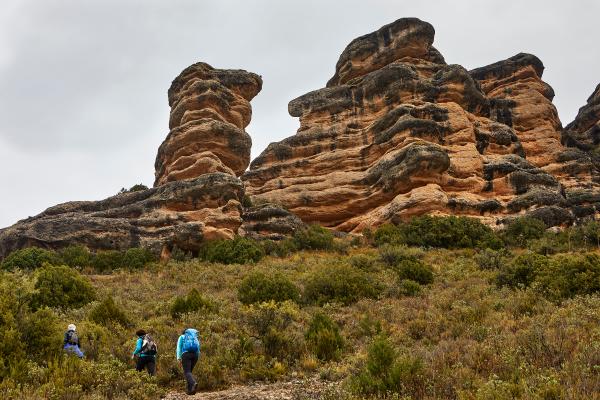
x=71, y=327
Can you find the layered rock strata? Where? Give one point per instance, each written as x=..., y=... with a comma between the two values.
x=210, y=109
x=398, y=132
x=269, y=221
x=182, y=214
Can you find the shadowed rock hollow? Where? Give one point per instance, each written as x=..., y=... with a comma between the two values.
x=398, y=132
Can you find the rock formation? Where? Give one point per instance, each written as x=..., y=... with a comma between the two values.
x=197, y=195
x=209, y=110
x=181, y=214
x=397, y=132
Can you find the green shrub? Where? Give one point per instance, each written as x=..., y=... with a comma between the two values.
x=324, y=338
x=194, y=301
x=393, y=255
x=61, y=287
x=385, y=373
x=387, y=234
x=258, y=287
x=363, y=262
x=42, y=336
x=236, y=251
x=279, y=248
x=108, y=311
x=448, y=232
x=569, y=275
x=408, y=287
x=135, y=188
x=106, y=261
x=136, y=258
x=414, y=270
x=29, y=258
x=522, y=271
x=489, y=259
x=75, y=256
x=522, y=230
x=315, y=237
x=340, y=283
x=273, y=323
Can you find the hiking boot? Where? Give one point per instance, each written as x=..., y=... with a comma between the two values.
x=195, y=388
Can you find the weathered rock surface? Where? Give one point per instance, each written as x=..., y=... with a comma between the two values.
x=269, y=221
x=584, y=131
x=181, y=214
x=209, y=110
x=397, y=132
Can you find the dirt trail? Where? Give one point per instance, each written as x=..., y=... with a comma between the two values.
x=294, y=390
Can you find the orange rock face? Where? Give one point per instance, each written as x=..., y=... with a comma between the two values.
x=397, y=132
x=209, y=110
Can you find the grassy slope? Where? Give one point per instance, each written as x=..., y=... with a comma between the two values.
x=475, y=341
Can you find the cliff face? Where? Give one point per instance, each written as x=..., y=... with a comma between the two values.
x=397, y=132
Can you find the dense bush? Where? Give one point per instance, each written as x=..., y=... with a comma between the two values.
x=522, y=271
x=106, y=261
x=136, y=258
x=237, y=251
x=61, y=287
x=387, y=234
x=29, y=258
x=570, y=275
x=394, y=255
x=272, y=323
x=408, y=287
x=133, y=258
x=315, y=237
x=75, y=256
x=385, y=373
x=259, y=287
x=107, y=311
x=194, y=301
x=414, y=270
x=446, y=232
x=363, y=262
x=340, y=283
x=323, y=338
x=42, y=336
x=521, y=231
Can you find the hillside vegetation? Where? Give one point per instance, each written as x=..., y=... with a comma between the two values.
x=438, y=308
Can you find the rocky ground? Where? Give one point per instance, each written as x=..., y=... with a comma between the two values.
x=293, y=390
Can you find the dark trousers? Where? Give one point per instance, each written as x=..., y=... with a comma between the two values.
x=188, y=361
x=148, y=363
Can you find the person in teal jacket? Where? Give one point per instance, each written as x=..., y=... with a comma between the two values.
x=146, y=353
x=188, y=352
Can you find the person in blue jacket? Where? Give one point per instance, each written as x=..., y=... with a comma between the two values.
x=71, y=341
x=188, y=352
x=145, y=350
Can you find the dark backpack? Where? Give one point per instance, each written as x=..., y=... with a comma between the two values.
x=72, y=338
x=149, y=346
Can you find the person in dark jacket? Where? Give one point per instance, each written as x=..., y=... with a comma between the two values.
x=71, y=341
x=146, y=355
x=188, y=352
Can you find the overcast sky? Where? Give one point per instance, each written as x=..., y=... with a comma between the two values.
x=83, y=103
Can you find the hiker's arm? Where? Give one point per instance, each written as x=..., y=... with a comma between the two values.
x=138, y=347
x=178, y=351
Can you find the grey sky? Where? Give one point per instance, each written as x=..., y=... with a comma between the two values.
x=83, y=104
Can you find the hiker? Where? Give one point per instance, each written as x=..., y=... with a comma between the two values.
x=145, y=350
x=188, y=352
x=71, y=341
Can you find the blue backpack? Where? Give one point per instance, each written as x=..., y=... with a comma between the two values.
x=190, y=341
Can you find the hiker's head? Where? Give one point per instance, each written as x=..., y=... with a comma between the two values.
x=71, y=327
x=141, y=332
